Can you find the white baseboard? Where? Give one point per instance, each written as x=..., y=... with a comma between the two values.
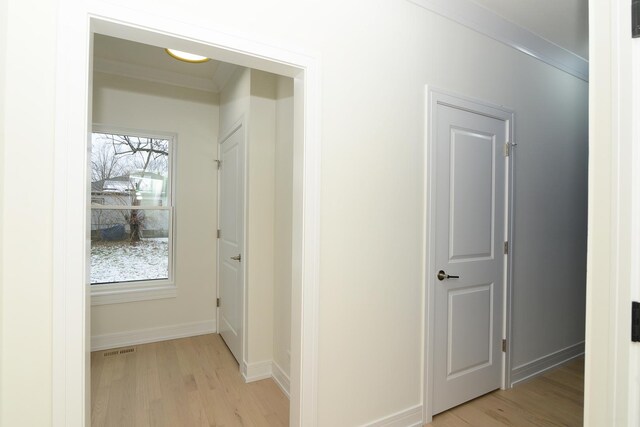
x=410, y=417
x=266, y=369
x=256, y=371
x=143, y=336
x=281, y=378
x=536, y=367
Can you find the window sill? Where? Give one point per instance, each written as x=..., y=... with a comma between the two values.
x=123, y=293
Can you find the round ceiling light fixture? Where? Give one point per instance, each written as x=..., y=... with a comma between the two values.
x=186, y=56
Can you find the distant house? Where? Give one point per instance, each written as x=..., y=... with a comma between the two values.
x=142, y=190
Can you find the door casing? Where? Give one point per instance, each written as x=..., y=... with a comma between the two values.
x=433, y=97
x=78, y=20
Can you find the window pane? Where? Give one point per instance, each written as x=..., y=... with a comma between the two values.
x=129, y=245
x=129, y=170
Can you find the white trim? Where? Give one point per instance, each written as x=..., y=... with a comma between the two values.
x=70, y=309
x=142, y=290
x=77, y=19
x=545, y=363
x=432, y=97
x=256, y=371
x=154, y=75
x=305, y=294
x=476, y=17
x=410, y=417
x=510, y=236
x=264, y=370
x=98, y=127
x=125, y=292
x=281, y=378
x=128, y=207
x=634, y=291
x=144, y=336
x=611, y=388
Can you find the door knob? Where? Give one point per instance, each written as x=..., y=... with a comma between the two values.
x=442, y=275
x=237, y=258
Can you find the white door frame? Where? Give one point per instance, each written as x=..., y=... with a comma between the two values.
x=434, y=96
x=77, y=21
x=612, y=389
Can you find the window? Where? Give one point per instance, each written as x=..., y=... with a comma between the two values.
x=131, y=216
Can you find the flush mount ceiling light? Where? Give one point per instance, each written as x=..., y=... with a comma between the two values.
x=186, y=57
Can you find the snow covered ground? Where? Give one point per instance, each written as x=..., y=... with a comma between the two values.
x=125, y=261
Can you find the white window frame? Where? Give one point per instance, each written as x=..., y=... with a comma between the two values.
x=141, y=290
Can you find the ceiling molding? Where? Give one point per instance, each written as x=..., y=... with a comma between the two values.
x=223, y=74
x=484, y=21
x=154, y=75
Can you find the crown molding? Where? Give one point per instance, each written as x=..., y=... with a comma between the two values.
x=154, y=75
x=484, y=21
x=222, y=74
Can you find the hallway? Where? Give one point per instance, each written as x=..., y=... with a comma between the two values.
x=552, y=399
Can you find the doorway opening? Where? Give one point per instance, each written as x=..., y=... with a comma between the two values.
x=72, y=331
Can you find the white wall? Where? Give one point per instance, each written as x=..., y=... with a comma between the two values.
x=550, y=220
x=561, y=22
x=260, y=216
x=3, y=55
x=266, y=102
x=193, y=116
x=252, y=94
x=283, y=223
x=234, y=99
x=27, y=209
x=375, y=59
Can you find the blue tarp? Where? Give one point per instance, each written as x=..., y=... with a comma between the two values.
x=116, y=232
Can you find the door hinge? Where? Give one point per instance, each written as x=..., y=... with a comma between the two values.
x=504, y=346
x=507, y=148
x=635, y=18
x=219, y=162
x=218, y=233
x=635, y=321
x=506, y=248
x=217, y=302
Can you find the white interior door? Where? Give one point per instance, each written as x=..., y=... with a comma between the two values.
x=231, y=242
x=470, y=231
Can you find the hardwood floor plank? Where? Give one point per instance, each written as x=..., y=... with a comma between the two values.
x=552, y=399
x=191, y=382
x=196, y=382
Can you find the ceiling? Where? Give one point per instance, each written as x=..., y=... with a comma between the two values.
x=563, y=22
x=124, y=57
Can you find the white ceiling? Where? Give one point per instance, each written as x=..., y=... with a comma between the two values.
x=124, y=57
x=563, y=22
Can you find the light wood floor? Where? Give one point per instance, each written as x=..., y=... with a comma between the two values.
x=195, y=382
x=189, y=382
x=552, y=399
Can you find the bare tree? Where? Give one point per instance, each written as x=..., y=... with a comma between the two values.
x=144, y=155
x=147, y=154
x=104, y=163
x=121, y=155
